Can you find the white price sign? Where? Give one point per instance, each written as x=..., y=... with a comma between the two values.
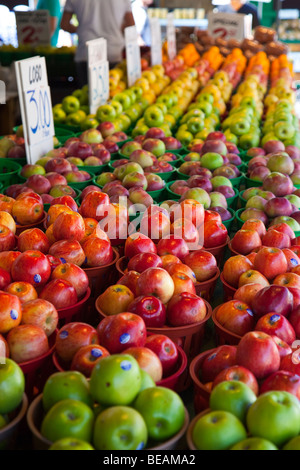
x=133, y=55
x=98, y=71
x=36, y=107
x=171, y=37
x=229, y=25
x=33, y=27
x=156, y=49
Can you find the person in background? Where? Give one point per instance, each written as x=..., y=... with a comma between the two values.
x=141, y=18
x=97, y=19
x=54, y=8
x=243, y=7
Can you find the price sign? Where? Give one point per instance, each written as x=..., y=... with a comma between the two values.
x=229, y=25
x=98, y=71
x=36, y=107
x=33, y=27
x=171, y=37
x=156, y=50
x=133, y=55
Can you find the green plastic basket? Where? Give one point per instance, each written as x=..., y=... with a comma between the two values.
x=238, y=219
x=233, y=201
x=252, y=183
x=96, y=170
x=229, y=223
x=237, y=182
x=170, y=194
x=9, y=172
x=242, y=201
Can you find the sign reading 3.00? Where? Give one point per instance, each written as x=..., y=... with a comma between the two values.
x=36, y=105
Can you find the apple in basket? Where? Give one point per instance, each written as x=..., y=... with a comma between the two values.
x=115, y=299
x=139, y=243
x=40, y=313
x=166, y=350
x=27, y=342
x=60, y=293
x=11, y=312
x=24, y=290
x=87, y=357
x=185, y=309
x=203, y=264
x=150, y=309
x=122, y=331
x=236, y=316
x=214, y=363
x=33, y=239
x=73, y=336
x=147, y=360
x=240, y=374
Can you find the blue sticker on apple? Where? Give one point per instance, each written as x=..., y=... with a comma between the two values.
x=125, y=338
x=126, y=365
x=274, y=318
x=37, y=278
x=212, y=356
x=64, y=335
x=294, y=262
x=250, y=312
x=63, y=260
x=96, y=353
x=14, y=314
x=140, y=446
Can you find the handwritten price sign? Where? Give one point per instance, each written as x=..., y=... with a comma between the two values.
x=33, y=27
x=98, y=68
x=229, y=25
x=133, y=55
x=36, y=106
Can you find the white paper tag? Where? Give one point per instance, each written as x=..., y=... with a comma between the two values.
x=36, y=107
x=156, y=42
x=33, y=27
x=133, y=55
x=229, y=25
x=98, y=70
x=171, y=37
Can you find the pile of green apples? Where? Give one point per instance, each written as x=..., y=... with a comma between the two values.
x=281, y=124
x=238, y=420
x=119, y=408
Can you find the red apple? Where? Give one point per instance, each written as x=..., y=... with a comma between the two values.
x=41, y=313
x=151, y=309
x=60, y=293
x=33, y=239
x=166, y=350
x=156, y=282
x=203, y=264
x=240, y=374
x=73, y=274
x=122, y=331
x=282, y=380
x=143, y=261
x=278, y=325
x=139, y=243
x=147, y=360
x=26, y=343
x=234, y=267
x=236, y=317
x=23, y=290
x=219, y=359
x=258, y=352
x=68, y=251
x=87, y=357
x=69, y=226
x=245, y=241
x=31, y=266
x=185, y=309
x=273, y=299
x=270, y=262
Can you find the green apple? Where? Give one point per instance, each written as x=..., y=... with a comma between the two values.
x=147, y=381
x=232, y=396
x=205, y=97
x=240, y=126
x=185, y=137
x=293, y=444
x=166, y=99
x=117, y=106
x=166, y=128
x=62, y=385
x=120, y=428
x=162, y=106
x=212, y=161
x=254, y=443
x=106, y=112
x=125, y=121
x=74, y=119
x=59, y=116
x=89, y=123
x=12, y=386
x=275, y=416
x=69, y=443
x=287, y=220
x=140, y=130
x=137, y=91
x=70, y=104
x=294, y=200
x=176, y=112
x=218, y=430
x=249, y=140
x=154, y=116
x=68, y=418
x=195, y=125
x=191, y=114
x=284, y=130
x=206, y=107
x=124, y=99
x=163, y=411
x=199, y=195
x=230, y=137
x=116, y=380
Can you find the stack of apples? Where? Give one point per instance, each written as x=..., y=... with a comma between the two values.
x=123, y=392
x=12, y=146
x=80, y=346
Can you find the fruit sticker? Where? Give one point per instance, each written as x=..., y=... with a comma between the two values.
x=125, y=365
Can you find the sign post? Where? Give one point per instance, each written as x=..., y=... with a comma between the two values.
x=229, y=25
x=171, y=37
x=156, y=50
x=98, y=73
x=133, y=55
x=33, y=27
x=36, y=107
